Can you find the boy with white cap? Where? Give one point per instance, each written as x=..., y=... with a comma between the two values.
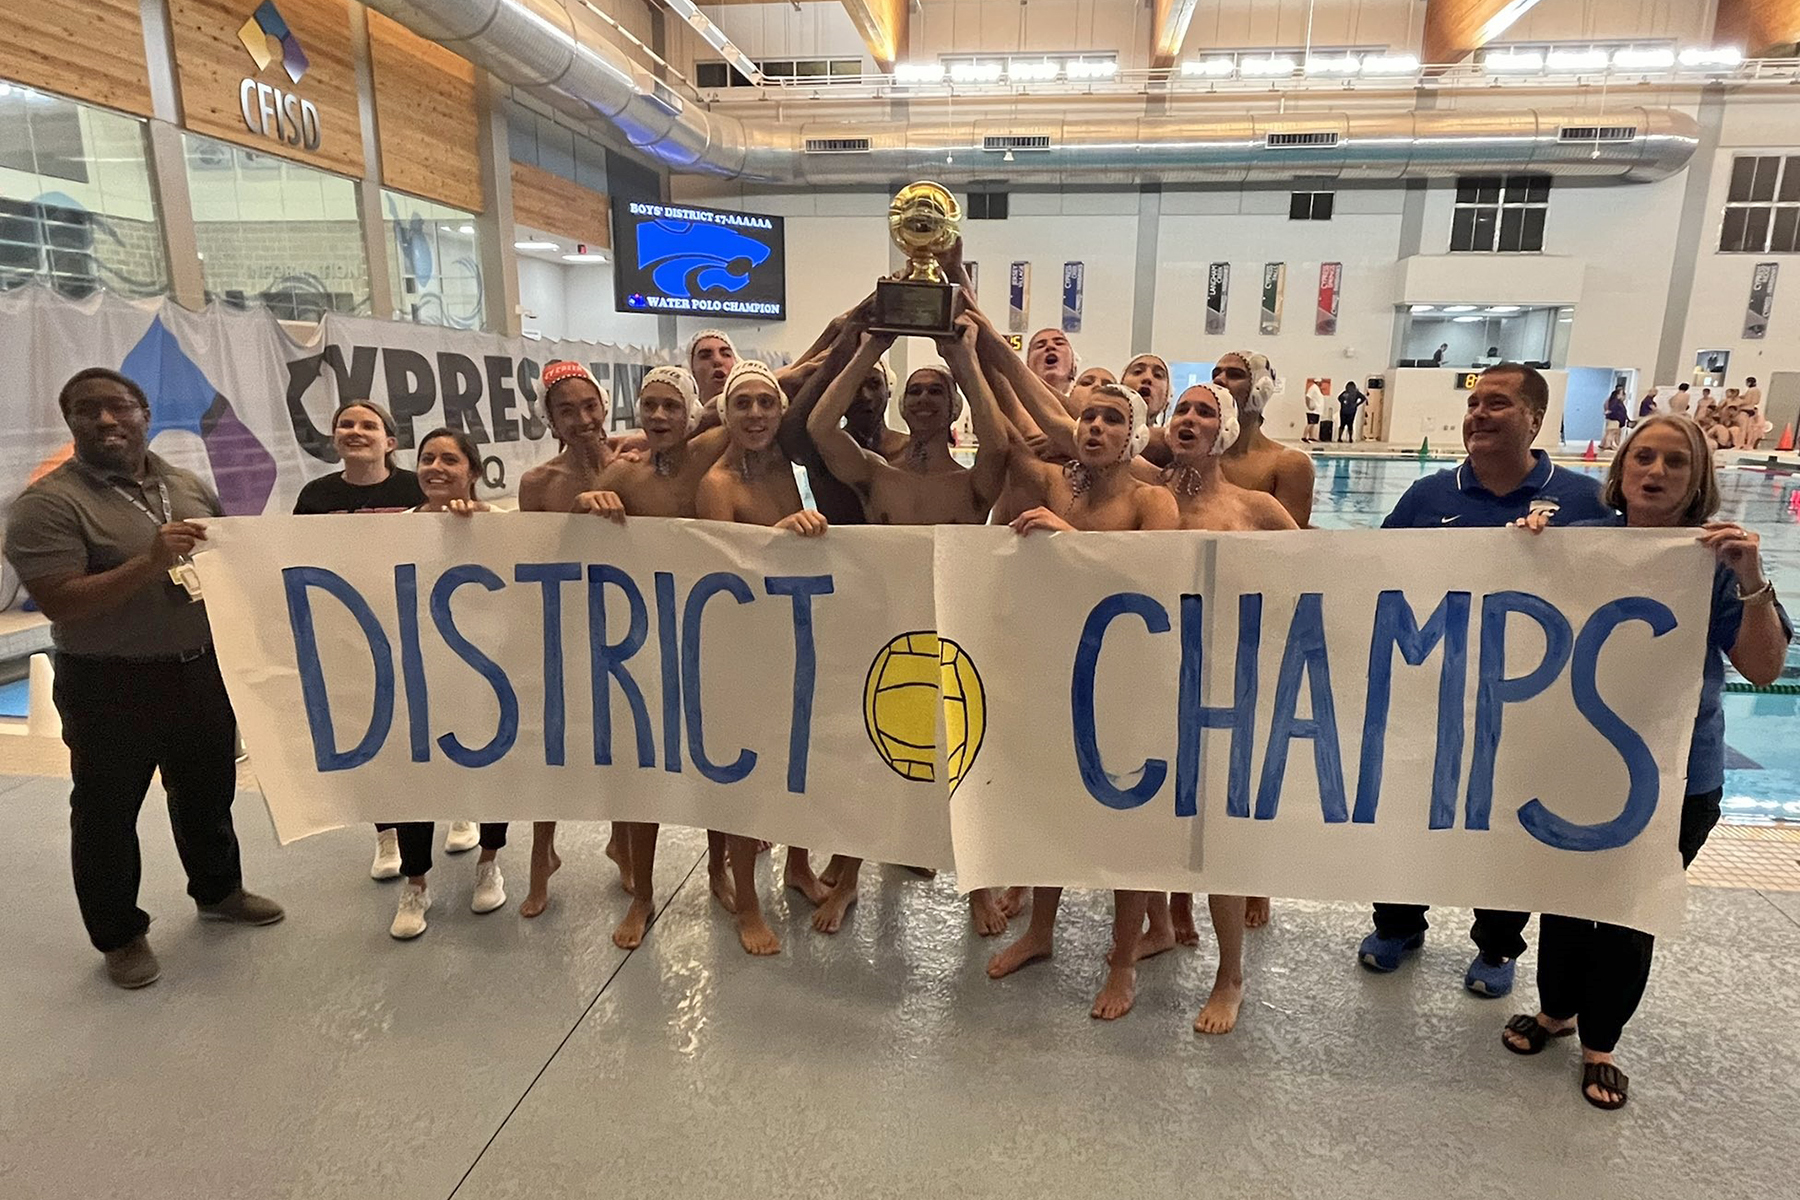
x=753, y=484
x=1148, y=376
x=1256, y=461
x=710, y=358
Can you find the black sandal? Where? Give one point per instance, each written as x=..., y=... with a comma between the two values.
x=1528, y=1027
x=1607, y=1077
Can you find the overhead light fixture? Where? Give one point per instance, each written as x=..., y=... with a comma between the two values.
x=975, y=72
x=1503, y=20
x=465, y=229
x=1390, y=64
x=536, y=246
x=1033, y=72
x=1424, y=308
x=1694, y=58
x=1347, y=64
x=1467, y=320
x=1503, y=308
x=1514, y=60
x=1577, y=60
x=1456, y=308
x=1266, y=68
x=584, y=258
x=1208, y=68
x=1643, y=60
x=1082, y=69
x=918, y=72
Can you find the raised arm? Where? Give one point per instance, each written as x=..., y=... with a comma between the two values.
x=847, y=461
x=991, y=443
x=791, y=435
x=1044, y=406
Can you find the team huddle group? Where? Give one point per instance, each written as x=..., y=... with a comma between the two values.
x=1060, y=446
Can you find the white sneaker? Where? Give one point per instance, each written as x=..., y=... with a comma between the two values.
x=409, y=918
x=490, y=888
x=387, y=855
x=462, y=836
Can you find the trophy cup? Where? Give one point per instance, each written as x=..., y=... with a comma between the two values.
x=923, y=221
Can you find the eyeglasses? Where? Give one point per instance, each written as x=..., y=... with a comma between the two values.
x=119, y=407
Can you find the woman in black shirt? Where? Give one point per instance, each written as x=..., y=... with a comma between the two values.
x=362, y=432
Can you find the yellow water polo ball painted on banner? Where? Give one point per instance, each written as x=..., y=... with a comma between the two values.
x=900, y=706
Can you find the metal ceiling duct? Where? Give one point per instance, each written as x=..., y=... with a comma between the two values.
x=559, y=53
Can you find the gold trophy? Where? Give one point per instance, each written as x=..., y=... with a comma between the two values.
x=924, y=221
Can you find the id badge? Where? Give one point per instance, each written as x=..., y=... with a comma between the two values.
x=184, y=576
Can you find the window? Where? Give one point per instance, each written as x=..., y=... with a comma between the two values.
x=808, y=70
x=434, y=260
x=1500, y=213
x=1762, y=209
x=76, y=209
x=987, y=206
x=1311, y=206
x=274, y=233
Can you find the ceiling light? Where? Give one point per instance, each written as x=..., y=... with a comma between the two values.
x=975, y=72
x=1454, y=308
x=1503, y=308
x=465, y=229
x=1421, y=308
x=584, y=258
x=918, y=72
x=1081, y=69
x=1643, y=60
x=1390, y=64
x=1577, y=60
x=536, y=246
x=1209, y=68
x=1466, y=320
x=1347, y=64
x=1510, y=60
x=1266, y=67
x=1033, y=72
x=1728, y=56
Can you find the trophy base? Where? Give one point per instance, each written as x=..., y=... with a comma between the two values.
x=914, y=308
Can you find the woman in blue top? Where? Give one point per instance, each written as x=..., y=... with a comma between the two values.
x=1593, y=973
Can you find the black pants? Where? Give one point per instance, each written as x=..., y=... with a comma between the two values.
x=415, y=843
x=1597, y=972
x=1499, y=935
x=122, y=722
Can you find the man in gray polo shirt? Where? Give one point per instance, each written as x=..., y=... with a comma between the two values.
x=103, y=544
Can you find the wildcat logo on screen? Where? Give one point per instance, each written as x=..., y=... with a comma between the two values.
x=690, y=258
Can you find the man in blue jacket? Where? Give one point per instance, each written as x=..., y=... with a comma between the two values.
x=1501, y=480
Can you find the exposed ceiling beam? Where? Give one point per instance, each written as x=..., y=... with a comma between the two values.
x=1759, y=27
x=1455, y=29
x=1169, y=30
x=882, y=24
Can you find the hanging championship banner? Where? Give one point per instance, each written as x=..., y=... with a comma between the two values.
x=1072, y=287
x=1274, y=296
x=1018, y=308
x=1762, y=300
x=1218, y=295
x=1330, y=288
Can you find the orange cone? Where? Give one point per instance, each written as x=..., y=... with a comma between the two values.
x=1787, y=438
x=1589, y=455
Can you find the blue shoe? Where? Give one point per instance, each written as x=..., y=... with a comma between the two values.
x=1490, y=981
x=1384, y=953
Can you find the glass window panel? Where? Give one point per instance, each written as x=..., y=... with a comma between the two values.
x=1731, y=233
x=846, y=66
x=1512, y=228
x=779, y=68
x=434, y=260
x=1763, y=186
x=1790, y=181
x=1486, y=221
x=1488, y=191
x=710, y=74
x=1532, y=239
x=1756, y=228
x=1467, y=188
x=1785, y=237
x=1323, y=202
x=1300, y=206
x=1539, y=190
x=1462, y=229
x=1743, y=171
x=808, y=68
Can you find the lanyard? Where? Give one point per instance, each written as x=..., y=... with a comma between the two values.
x=162, y=492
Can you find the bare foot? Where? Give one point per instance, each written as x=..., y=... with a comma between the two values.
x=630, y=933
x=755, y=935
x=921, y=872
x=1220, y=1013
x=537, y=898
x=830, y=916
x=1256, y=912
x=1028, y=949
x=986, y=915
x=1012, y=902
x=617, y=850
x=1117, y=997
x=802, y=880
x=723, y=889
x=1181, y=913
x=1158, y=938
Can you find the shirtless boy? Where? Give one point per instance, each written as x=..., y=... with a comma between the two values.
x=925, y=487
x=1098, y=493
x=663, y=483
x=753, y=484
x=711, y=356
x=1148, y=376
x=1256, y=461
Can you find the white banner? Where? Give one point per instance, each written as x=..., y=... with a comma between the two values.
x=1240, y=714
x=1471, y=717
x=417, y=666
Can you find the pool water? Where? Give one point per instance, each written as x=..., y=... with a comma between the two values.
x=1762, y=775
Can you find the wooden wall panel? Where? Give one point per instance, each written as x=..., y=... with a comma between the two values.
x=555, y=205
x=89, y=50
x=210, y=62
x=425, y=110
